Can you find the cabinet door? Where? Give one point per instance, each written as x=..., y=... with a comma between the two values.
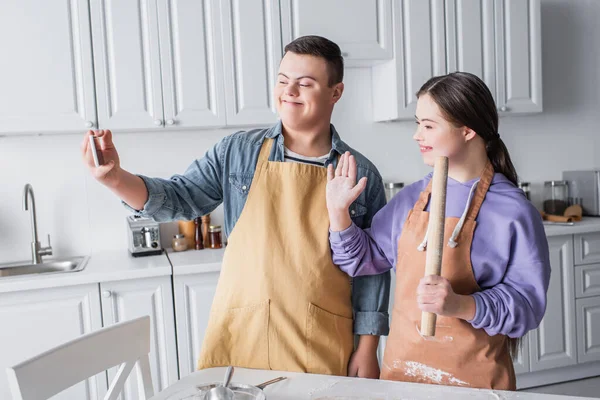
x=252, y=52
x=362, y=29
x=46, y=75
x=124, y=300
x=127, y=64
x=470, y=39
x=34, y=321
x=553, y=344
x=588, y=329
x=587, y=248
x=191, y=63
x=521, y=362
x=193, y=299
x=519, y=56
x=419, y=54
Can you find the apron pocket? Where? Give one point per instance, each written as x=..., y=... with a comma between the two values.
x=330, y=342
x=238, y=337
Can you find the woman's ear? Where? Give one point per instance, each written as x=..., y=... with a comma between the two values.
x=468, y=133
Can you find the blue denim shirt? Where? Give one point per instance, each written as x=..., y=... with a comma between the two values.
x=224, y=175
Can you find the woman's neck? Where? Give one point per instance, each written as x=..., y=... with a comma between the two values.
x=470, y=164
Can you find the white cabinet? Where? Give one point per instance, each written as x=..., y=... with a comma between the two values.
x=419, y=54
x=553, y=344
x=588, y=329
x=521, y=362
x=34, y=321
x=192, y=63
x=497, y=40
x=193, y=300
x=252, y=52
x=124, y=300
x=362, y=29
x=46, y=75
x=127, y=64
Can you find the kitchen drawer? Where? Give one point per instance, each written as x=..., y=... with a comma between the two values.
x=587, y=281
x=587, y=248
x=588, y=329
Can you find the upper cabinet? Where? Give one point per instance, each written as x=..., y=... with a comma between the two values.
x=46, y=76
x=497, y=40
x=362, y=29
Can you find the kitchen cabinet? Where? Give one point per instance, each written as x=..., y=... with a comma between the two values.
x=362, y=29
x=553, y=344
x=497, y=40
x=521, y=362
x=124, y=300
x=34, y=321
x=47, y=76
x=193, y=300
x=588, y=329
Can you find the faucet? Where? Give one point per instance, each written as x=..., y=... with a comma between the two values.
x=37, y=251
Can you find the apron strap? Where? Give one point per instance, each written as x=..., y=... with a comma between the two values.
x=482, y=187
x=265, y=152
x=423, y=198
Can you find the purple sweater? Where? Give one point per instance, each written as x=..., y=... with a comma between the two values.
x=509, y=253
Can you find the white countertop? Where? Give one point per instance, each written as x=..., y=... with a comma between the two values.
x=195, y=261
x=586, y=225
x=309, y=386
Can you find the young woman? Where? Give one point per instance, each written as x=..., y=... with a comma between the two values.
x=495, y=267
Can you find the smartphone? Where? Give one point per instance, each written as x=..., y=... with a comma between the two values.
x=98, y=159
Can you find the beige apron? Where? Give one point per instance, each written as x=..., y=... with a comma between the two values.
x=281, y=303
x=460, y=355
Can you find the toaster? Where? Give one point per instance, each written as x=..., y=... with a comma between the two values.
x=144, y=236
x=584, y=189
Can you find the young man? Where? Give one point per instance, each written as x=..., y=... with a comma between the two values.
x=280, y=303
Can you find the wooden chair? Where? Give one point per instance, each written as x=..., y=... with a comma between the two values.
x=57, y=369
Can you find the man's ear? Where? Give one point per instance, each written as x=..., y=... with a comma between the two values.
x=338, y=89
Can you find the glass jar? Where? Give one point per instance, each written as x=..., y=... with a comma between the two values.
x=391, y=188
x=556, y=196
x=214, y=232
x=179, y=242
x=524, y=186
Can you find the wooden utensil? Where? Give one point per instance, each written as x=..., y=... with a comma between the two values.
x=435, y=236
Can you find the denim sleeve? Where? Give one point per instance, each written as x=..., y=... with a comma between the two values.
x=371, y=294
x=184, y=197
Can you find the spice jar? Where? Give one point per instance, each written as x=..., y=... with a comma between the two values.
x=556, y=195
x=179, y=242
x=524, y=186
x=391, y=188
x=214, y=232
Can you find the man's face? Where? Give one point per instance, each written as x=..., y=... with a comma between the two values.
x=302, y=94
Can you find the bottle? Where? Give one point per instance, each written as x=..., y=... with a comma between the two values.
x=215, y=237
x=199, y=241
x=188, y=229
x=205, y=224
x=179, y=242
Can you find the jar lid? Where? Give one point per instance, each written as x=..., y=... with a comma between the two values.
x=555, y=183
x=214, y=228
x=394, y=185
x=179, y=236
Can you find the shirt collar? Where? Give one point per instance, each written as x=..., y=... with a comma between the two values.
x=337, y=145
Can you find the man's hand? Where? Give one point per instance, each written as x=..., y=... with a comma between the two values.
x=363, y=362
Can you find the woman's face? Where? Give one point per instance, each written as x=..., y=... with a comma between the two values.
x=435, y=135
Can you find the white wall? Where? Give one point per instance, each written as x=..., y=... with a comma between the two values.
x=84, y=217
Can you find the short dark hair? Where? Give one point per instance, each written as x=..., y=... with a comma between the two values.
x=324, y=48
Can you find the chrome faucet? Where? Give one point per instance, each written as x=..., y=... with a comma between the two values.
x=37, y=251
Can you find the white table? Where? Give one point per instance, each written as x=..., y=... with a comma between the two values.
x=308, y=386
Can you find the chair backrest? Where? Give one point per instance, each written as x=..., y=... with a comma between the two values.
x=126, y=344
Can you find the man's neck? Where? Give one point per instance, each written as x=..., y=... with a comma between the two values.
x=314, y=142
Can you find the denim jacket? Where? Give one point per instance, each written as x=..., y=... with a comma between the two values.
x=224, y=175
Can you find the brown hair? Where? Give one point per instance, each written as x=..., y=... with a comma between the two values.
x=324, y=48
x=465, y=100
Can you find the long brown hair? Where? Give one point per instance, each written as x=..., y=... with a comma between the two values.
x=465, y=100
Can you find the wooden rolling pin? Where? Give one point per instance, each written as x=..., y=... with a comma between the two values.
x=435, y=236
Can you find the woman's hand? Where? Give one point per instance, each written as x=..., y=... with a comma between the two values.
x=342, y=190
x=435, y=295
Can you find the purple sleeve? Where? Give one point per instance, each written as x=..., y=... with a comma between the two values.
x=517, y=304
x=366, y=252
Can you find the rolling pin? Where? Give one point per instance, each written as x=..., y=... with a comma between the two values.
x=435, y=237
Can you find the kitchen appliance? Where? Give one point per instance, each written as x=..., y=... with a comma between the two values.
x=584, y=189
x=144, y=236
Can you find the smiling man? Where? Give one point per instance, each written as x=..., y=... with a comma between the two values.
x=280, y=303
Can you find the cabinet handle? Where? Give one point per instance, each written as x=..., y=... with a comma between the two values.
x=106, y=294
x=503, y=109
x=170, y=122
x=89, y=124
x=158, y=122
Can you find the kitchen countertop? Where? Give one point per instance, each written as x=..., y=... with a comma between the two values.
x=586, y=225
x=311, y=386
x=195, y=261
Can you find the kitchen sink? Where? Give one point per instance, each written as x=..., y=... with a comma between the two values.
x=60, y=265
